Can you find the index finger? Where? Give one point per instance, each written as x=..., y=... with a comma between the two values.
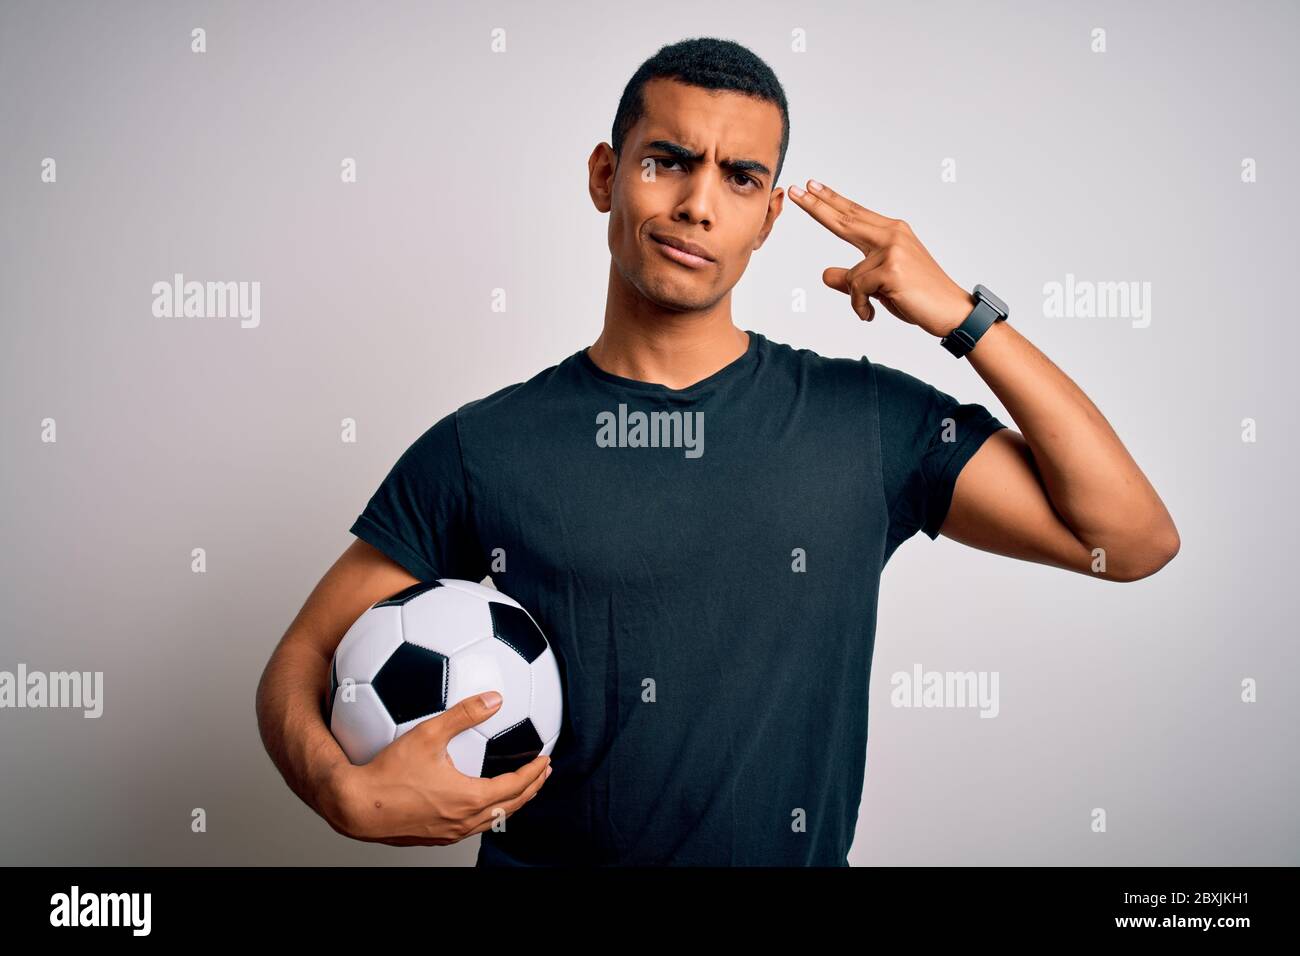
x=850, y=221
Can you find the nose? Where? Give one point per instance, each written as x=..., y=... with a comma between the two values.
x=698, y=198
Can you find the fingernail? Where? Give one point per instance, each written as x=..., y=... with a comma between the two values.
x=814, y=185
x=548, y=771
x=796, y=192
x=490, y=699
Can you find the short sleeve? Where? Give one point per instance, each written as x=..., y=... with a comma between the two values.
x=926, y=438
x=420, y=516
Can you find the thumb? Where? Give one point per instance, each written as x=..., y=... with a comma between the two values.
x=837, y=279
x=467, y=713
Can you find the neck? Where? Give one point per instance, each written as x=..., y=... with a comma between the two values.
x=675, y=349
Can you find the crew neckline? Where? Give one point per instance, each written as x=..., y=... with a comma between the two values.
x=735, y=367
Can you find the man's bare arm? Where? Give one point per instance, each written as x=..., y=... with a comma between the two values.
x=411, y=793
x=1053, y=494
x=296, y=678
x=1062, y=487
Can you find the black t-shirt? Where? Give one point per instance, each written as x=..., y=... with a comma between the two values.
x=707, y=577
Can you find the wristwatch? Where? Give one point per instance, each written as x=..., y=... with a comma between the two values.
x=988, y=309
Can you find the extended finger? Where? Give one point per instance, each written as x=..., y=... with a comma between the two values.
x=847, y=206
x=849, y=225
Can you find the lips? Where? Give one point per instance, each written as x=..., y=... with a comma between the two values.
x=681, y=245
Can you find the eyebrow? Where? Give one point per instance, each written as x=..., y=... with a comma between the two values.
x=678, y=151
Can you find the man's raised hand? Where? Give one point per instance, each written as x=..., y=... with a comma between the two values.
x=896, y=269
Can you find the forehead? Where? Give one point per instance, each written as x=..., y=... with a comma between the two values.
x=737, y=124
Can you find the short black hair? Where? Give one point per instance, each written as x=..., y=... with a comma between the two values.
x=711, y=64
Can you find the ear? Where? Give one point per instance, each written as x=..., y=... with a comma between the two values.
x=602, y=167
x=774, y=206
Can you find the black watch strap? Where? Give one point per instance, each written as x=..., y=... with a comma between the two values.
x=988, y=309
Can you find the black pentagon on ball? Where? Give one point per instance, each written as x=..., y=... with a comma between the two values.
x=404, y=595
x=514, y=627
x=511, y=749
x=412, y=683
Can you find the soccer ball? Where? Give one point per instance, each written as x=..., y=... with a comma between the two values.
x=411, y=656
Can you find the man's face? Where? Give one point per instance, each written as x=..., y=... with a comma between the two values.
x=721, y=202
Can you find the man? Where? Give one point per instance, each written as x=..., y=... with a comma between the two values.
x=698, y=518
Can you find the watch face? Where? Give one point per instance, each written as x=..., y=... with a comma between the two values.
x=998, y=305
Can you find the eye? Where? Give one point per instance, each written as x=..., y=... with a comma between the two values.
x=748, y=182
